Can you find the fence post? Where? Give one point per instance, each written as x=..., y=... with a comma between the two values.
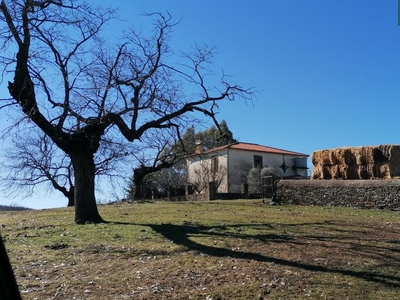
x=269, y=189
x=212, y=190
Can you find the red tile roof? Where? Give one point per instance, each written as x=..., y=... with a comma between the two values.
x=254, y=147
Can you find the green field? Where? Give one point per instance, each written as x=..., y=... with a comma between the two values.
x=240, y=249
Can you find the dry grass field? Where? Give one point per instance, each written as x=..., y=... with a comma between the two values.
x=240, y=249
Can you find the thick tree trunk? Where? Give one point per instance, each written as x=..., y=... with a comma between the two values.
x=85, y=201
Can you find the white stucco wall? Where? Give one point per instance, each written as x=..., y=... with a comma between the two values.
x=234, y=165
x=200, y=166
x=240, y=162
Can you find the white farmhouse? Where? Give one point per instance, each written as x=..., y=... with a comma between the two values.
x=227, y=166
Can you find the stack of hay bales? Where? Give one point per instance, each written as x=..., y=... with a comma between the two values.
x=369, y=162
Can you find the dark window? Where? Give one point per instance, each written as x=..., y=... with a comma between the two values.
x=258, y=163
x=214, y=164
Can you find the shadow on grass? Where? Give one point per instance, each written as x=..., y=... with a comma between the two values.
x=180, y=234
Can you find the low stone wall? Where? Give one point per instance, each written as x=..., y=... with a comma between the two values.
x=227, y=196
x=198, y=197
x=378, y=194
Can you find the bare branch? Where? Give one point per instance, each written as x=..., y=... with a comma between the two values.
x=85, y=93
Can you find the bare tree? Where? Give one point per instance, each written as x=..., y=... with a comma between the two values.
x=161, y=154
x=32, y=160
x=168, y=180
x=77, y=88
x=174, y=176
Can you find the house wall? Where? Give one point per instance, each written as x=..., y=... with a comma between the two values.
x=199, y=171
x=241, y=161
x=233, y=167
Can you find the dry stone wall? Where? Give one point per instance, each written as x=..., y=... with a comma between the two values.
x=376, y=194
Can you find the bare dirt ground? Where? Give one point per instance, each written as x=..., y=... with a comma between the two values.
x=218, y=250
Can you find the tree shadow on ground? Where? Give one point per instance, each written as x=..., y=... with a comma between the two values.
x=180, y=234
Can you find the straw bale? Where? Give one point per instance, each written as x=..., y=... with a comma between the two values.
x=324, y=157
x=342, y=171
x=382, y=170
x=363, y=155
x=316, y=158
x=339, y=155
x=380, y=162
x=365, y=171
x=381, y=154
x=348, y=156
x=348, y=171
x=322, y=172
x=326, y=172
x=334, y=172
x=317, y=172
x=394, y=161
x=333, y=157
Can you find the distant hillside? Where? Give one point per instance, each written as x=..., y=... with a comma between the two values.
x=13, y=208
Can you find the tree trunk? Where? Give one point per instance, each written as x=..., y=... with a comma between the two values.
x=71, y=196
x=137, y=180
x=138, y=176
x=85, y=200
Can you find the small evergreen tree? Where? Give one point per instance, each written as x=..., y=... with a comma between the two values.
x=271, y=171
x=130, y=189
x=254, y=181
x=255, y=175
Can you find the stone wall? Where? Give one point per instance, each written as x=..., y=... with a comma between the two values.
x=378, y=194
x=198, y=197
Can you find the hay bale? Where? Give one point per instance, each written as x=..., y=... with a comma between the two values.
x=325, y=172
x=381, y=154
x=334, y=171
x=316, y=172
x=382, y=170
x=369, y=162
x=323, y=157
x=365, y=171
x=338, y=156
x=348, y=171
x=363, y=155
x=394, y=161
x=322, y=172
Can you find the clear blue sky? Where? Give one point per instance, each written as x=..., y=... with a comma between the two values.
x=327, y=71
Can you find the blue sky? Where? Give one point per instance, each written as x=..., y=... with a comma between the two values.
x=327, y=71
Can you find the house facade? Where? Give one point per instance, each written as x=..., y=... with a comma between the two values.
x=227, y=166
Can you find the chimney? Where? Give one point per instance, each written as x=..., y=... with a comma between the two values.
x=199, y=147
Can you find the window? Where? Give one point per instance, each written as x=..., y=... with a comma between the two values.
x=258, y=163
x=214, y=164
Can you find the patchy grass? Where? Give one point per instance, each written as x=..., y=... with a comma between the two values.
x=206, y=250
